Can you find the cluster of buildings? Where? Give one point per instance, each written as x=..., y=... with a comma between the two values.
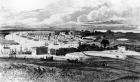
x=36, y=43
x=46, y=42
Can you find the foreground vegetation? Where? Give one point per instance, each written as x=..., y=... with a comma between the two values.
x=21, y=71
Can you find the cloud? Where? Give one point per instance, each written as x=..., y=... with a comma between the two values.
x=82, y=18
x=120, y=10
x=100, y=14
x=54, y=19
x=52, y=13
x=56, y=12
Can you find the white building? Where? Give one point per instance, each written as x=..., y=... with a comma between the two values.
x=7, y=46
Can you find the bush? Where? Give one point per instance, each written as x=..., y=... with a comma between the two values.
x=63, y=51
x=87, y=47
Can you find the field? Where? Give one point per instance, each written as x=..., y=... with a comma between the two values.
x=20, y=70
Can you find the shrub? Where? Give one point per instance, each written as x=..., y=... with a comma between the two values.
x=63, y=51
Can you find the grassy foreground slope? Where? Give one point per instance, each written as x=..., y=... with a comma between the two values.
x=23, y=72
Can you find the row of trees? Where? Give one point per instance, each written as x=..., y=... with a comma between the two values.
x=83, y=47
x=89, y=33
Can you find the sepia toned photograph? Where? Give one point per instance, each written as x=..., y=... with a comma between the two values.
x=69, y=40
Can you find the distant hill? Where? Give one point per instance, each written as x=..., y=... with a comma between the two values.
x=106, y=25
x=105, y=22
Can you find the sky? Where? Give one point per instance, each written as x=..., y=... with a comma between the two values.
x=57, y=12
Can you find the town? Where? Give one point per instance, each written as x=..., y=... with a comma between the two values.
x=63, y=44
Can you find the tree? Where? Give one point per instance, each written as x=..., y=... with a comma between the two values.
x=105, y=43
x=109, y=31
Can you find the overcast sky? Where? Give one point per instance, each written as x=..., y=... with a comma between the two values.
x=55, y=12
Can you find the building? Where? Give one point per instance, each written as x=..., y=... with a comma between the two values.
x=8, y=46
x=39, y=50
